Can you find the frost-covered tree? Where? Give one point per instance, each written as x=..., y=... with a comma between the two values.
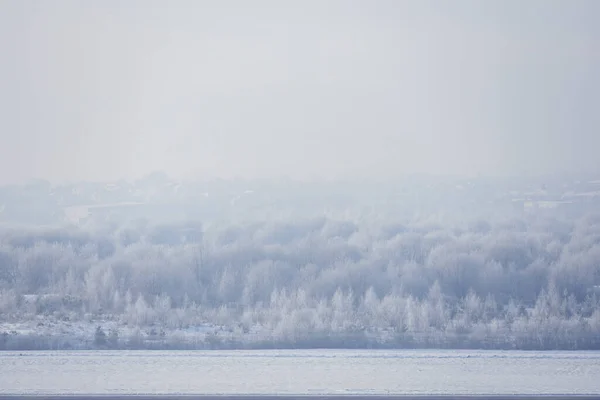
x=527, y=282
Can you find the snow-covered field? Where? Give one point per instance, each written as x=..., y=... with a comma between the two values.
x=300, y=372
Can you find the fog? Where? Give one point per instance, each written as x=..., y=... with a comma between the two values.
x=311, y=174
x=311, y=90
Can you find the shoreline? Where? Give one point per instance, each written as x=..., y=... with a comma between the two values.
x=302, y=397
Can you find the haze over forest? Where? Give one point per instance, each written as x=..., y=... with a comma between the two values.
x=338, y=174
x=426, y=262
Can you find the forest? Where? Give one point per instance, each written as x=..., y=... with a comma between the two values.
x=526, y=282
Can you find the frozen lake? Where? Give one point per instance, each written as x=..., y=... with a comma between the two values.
x=306, y=372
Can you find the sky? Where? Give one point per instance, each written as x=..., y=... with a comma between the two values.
x=311, y=89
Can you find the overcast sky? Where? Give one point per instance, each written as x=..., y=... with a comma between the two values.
x=116, y=89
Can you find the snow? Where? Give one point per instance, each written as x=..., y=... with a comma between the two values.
x=80, y=334
x=300, y=372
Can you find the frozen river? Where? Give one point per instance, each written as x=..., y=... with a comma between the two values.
x=291, y=372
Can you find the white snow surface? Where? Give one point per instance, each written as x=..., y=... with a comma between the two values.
x=300, y=372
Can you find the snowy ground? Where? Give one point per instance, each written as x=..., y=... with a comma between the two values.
x=309, y=372
x=82, y=334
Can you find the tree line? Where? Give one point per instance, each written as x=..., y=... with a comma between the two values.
x=530, y=282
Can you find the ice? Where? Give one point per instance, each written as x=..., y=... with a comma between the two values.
x=300, y=372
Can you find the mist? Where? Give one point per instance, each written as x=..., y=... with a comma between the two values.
x=382, y=174
x=310, y=90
